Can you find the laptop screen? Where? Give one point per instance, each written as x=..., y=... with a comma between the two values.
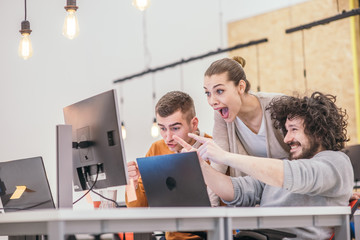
x=24, y=185
x=173, y=180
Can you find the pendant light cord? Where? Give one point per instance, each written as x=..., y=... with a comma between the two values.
x=25, y=9
x=221, y=24
x=181, y=78
x=304, y=59
x=293, y=74
x=147, y=56
x=147, y=59
x=121, y=102
x=153, y=92
x=258, y=68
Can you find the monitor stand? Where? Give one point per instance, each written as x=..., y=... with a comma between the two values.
x=1, y=207
x=64, y=168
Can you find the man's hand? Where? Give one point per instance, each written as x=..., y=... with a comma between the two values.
x=133, y=172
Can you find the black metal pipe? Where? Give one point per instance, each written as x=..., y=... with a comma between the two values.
x=342, y=15
x=182, y=61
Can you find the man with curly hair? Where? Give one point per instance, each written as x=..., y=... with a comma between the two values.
x=317, y=173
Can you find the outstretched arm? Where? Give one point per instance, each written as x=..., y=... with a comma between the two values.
x=267, y=170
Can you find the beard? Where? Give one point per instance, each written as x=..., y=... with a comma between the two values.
x=307, y=151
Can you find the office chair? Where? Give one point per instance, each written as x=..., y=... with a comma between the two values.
x=262, y=234
x=353, y=153
x=354, y=204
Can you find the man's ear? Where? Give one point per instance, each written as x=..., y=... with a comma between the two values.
x=194, y=124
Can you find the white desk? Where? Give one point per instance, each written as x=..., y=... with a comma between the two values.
x=217, y=221
x=57, y=223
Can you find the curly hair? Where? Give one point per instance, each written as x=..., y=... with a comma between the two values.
x=322, y=118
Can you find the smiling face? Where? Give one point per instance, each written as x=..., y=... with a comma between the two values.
x=176, y=124
x=301, y=145
x=223, y=96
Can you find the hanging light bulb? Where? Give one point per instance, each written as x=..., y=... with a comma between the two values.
x=123, y=130
x=154, y=129
x=71, y=24
x=25, y=46
x=141, y=4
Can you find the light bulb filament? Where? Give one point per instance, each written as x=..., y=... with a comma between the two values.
x=71, y=25
x=141, y=4
x=25, y=46
x=154, y=130
x=123, y=132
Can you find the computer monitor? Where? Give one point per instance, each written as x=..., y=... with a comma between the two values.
x=98, y=149
x=24, y=185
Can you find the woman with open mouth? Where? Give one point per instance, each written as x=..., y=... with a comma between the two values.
x=242, y=124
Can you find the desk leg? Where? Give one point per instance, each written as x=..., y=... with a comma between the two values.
x=357, y=224
x=218, y=232
x=55, y=230
x=228, y=228
x=343, y=231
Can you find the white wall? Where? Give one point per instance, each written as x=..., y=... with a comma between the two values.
x=109, y=47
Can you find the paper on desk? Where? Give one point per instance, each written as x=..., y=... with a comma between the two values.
x=130, y=191
x=19, y=192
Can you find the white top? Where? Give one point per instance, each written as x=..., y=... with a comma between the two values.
x=254, y=144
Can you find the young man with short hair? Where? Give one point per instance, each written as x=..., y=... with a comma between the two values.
x=175, y=114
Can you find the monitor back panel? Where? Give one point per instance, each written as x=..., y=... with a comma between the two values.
x=28, y=175
x=173, y=180
x=96, y=119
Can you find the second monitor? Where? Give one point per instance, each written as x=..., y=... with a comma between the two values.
x=98, y=149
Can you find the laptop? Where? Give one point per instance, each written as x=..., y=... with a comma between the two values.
x=24, y=185
x=173, y=180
